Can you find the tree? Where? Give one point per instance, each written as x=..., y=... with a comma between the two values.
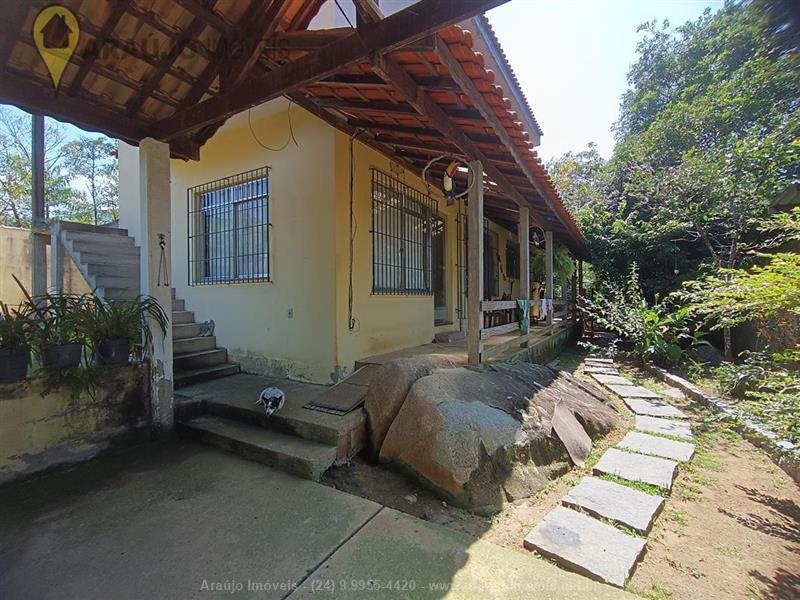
x=94, y=160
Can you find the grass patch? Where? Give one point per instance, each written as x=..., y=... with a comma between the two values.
x=647, y=488
x=657, y=591
x=685, y=490
x=678, y=516
x=730, y=550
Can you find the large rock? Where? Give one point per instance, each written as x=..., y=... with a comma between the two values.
x=388, y=389
x=479, y=438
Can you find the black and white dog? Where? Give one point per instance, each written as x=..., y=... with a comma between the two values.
x=271, y=399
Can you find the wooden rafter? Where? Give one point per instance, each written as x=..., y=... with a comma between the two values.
x=426, y=107
x=207, y=15
x=370, y=80
x=419, y=20
x=479, y=101
x=100, y=40
x=392, y=108
x=194, y=28
x=168, y=30
x=309, y=40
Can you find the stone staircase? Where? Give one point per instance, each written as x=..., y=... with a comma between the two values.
x=108, y=258
x=196, y=357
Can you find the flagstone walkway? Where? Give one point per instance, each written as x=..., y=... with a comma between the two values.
x=599, y=531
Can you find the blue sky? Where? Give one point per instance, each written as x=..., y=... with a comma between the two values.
x=572, y=57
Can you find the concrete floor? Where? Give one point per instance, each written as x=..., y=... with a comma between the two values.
x=179, y=520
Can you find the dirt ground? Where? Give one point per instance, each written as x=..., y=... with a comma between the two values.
x=731, y=528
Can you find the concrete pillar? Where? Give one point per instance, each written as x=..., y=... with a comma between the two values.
x=38, y=222
x=56, y=258
x=475, y=262
x=154, y=209
x=523, y=237
x=548, y=280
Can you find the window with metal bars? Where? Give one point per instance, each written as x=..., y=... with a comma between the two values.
x=229, y=229
x=402, y=231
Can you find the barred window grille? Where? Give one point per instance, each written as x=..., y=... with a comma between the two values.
x=229, y=229
x=402, y=231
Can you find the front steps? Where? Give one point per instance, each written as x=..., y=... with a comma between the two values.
x=300, y=441
x=288, y=453
x=195, y=357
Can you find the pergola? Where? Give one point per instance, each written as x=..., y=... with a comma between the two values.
x=166, y=74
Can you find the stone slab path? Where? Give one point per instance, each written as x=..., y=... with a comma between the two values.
x=586, y=545
x=663, y=426
x=637, y=467
x=653, y=408
x=598, y=360
x=632, y=391
x=604, y=379
x=657, y=446
x=618, y=503
x=572, y=534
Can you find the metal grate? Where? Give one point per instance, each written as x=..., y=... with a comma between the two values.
x=402, y=226
x=228, y=225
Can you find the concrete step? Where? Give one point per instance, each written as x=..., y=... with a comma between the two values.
x=195, y=344
x=653, y=408
x=93, y=258
x=178, y=304
x=99, y=238
x=104, y=248
x=182, y=331
x=587, y=546
x=71, y=227
x=117, y=281
x=110, y=269
x=657, y=446
x=181, y=317
x=184, y=378
x=118, y=293
x=663, y=426
x=285, y=452
x=200, y=360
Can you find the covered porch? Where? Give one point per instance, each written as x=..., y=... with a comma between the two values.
x=413, y=85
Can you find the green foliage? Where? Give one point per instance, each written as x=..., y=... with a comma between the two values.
x=707, y=137
x=13, y=328
x=648, y=333
x=111, y=320
x=563, y=265
x=74, y=189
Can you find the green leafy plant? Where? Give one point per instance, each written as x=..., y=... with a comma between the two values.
x=648, y=333
x=13, y=328
x=124, y=320
x=563, y=265
x=54, y=318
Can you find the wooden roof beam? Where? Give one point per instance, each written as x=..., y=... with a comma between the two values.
x=429, y=109
x=479, y=101
x=417, y=21
x=100, y=40
x=207, y=15
x=390, y=108
x=309, y=40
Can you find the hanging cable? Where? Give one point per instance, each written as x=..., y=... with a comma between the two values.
x=291, y=137
x=352, y=322
x=344, y=14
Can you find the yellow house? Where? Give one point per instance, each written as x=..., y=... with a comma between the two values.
x=310, y=249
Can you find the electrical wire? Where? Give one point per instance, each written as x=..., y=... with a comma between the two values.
x=291, y=137
x=352, y=322
x=344, y=14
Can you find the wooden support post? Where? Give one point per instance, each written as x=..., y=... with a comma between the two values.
x=523, y=237
x=475, y=262
x=548, y=281
x=573, y=296
x=38, y=241
x=56, y=258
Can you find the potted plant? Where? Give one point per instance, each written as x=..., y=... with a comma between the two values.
x=13, y=345
x=116, y=326
x=55, y=331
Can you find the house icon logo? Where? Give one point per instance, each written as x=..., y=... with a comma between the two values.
x=55, y=33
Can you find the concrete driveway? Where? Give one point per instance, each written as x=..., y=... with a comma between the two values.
x=178, y=520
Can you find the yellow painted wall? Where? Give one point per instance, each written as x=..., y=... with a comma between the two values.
x=252, y=319
x=385, y=323
x=309, y=212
